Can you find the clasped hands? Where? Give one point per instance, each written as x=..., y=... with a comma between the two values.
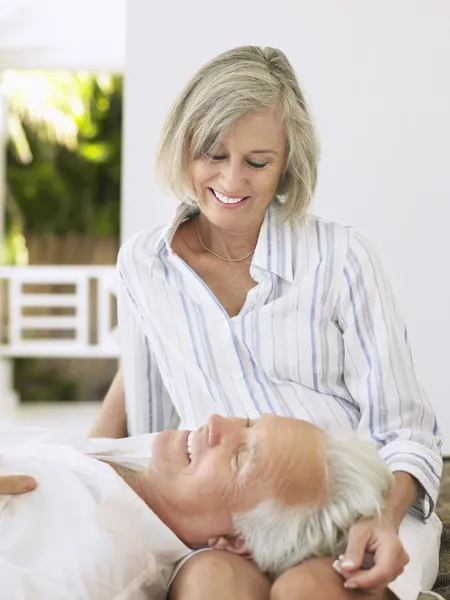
x=378, y=537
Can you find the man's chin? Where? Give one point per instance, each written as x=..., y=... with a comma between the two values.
x=170, y=448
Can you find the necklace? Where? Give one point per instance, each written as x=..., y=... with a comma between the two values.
x=218, y=255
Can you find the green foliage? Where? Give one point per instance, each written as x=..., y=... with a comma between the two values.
x=64, y=157
x=35, y=382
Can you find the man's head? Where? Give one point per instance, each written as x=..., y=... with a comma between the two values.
x=259, y=487
x=234, y=465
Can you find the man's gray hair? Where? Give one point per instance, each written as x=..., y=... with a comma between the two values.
x=280, y=537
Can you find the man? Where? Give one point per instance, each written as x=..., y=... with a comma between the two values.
x=277, y=490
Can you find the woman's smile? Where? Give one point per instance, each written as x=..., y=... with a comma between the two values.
x=228, y=202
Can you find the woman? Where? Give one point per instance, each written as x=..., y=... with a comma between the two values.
x=243, y=304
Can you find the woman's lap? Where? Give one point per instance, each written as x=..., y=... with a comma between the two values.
x=219, y=572
x=217, y=575
x=421, y=541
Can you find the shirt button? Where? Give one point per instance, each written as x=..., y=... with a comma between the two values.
x=256, y=271
x=239, y=375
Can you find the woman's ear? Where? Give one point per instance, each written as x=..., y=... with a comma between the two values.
x=231, y=543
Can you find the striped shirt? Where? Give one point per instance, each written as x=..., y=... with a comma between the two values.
x=319, y=338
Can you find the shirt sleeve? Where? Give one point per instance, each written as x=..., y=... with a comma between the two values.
x=379, y=373
x=148, y=405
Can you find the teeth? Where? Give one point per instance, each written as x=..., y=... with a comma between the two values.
x=190, y=443
x=227, y=200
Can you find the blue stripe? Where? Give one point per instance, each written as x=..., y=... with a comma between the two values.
x=283, y=249
x=254, y=369
x=256, y=338
x=393, y=372
x=149, y=384
x=160, y=400
x=184, y=368
x=324, y=323
x=366, y=354
x=435, y=426
x=376, y=367
x=236, y=348
x=313, y=310
x=406, y=458
x=209, y=354
x=192, y=335
x=164, y=367
x=151, y=416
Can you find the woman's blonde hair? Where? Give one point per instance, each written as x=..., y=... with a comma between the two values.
x=235, y=83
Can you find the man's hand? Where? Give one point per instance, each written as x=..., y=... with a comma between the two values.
x=16, y=484
x=378, y=537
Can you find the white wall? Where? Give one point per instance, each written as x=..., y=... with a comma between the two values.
x=377, y=74
x=50, y=34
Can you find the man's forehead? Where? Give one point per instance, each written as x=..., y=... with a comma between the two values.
x=286, y=423
x=291, y=441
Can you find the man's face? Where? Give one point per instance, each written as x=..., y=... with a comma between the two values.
x=232, y=465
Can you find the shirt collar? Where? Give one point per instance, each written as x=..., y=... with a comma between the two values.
x=182, y=213
x=273, y=251
x=274, y=247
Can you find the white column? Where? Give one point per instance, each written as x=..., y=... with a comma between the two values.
x=8, y=397
x=3, y=140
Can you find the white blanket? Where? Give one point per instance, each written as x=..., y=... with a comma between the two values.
x=83, y=533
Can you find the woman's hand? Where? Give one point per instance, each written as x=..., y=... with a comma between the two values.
x=378, y=537
x=16, y=484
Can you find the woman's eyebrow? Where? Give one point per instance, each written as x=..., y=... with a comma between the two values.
x=264, y=152
x=261, y=151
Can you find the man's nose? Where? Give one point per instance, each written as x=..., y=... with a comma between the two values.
x=218, y=427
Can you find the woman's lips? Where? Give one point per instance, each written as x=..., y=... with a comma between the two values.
x=225, y=204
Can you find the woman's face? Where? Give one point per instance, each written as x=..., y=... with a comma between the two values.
x=235, y=186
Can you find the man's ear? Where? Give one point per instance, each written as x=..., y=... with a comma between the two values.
x=235, y=544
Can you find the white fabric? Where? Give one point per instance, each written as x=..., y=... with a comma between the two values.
x=421, y=541
x=319, y=338
x=83, y=533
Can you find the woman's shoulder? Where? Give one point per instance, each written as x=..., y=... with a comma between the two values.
x=148, y=238
x=315, y=227
x=321, y=232
x=346, y=243
x=142, y=244
x=331, y=243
